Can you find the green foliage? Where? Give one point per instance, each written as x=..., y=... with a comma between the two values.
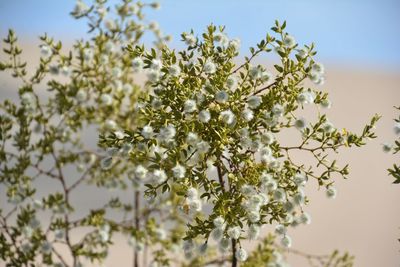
x=395, y=171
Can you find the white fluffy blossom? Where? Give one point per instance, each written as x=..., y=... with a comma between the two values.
x=110, y=124
x=178, y=171
x=331, y=192
x=241, y=254
x=254, y=101
x=159, y=176
x=326, y=103
x=328, y=127
x=140, y=172
x=174, y=70
x=386, y=147
x=247, y=114
x=253, y=216
x=209, y=67
x=192, y=193
x=45, y=50
x=105, y=99
x=221, y=97
x=289, y=41
x=267, y=138
x=255, y=72
x=189, y=106
x=147, y=132
x=235, y=44
x=227, y=116
x=306, y=97
x=167, y=133
x=278, y=110
x=192, y=138
x=234, y=232
x=137, y=64
x=190, y=39
x=218, y=221
x=231, y=82
x=204, y=116
x=396, y=128
x=286, y=241
x=305, y=218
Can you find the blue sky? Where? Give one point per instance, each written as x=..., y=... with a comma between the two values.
x=353, y=32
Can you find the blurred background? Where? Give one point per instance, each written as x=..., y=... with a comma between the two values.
x=358, y=42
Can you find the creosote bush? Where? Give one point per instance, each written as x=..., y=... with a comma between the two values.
x=198, y=149
x=208, y=132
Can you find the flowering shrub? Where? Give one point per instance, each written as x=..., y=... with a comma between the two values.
x=42, y=135
x=387, y=147
x=209, y=134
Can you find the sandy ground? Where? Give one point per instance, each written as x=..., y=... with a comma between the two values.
x=364, y=219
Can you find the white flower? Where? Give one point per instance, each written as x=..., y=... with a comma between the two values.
x=28, y=101
x=253, y=216
x=65, y=70
x=247, y=190
x=192, y=139
x=302, y=52
x=231, y=82
x=278, y=110
x=195, y=205
x=254, y=231
x=80, y=8
x=110, y=124
x=279, y=195
x=159, y=176
x=247, y=114
x=174, y=70
x=160, y=233
x=317, y=78
x=325, y=103
x=140, y=172
x=241, y=254
x=127, y=88
x=397, y=128
x=300, y=179
x=271, y=185
x=289, y=41
x=299, y=197
x=45, y=50
x=105, y=99
x=178, y=171
x=153, y=25
x=156, y=64
x=147, y=132
x=255, y=72
x=300, y=124
x=192, y=193
x=190, y=39
x=104, y=59
x=189, y=106
x=106, y=163
x=88, y=54
x=234, y=232
x=153, y=75
x=167, y=133
x=318, y=68
x=59, y=233
x=254, y=101
x=203, y=147
x=280, y=229
x=266, y=77
x=221, y=97
x=267, y=138
x=305, y=218
x=204, y=116
x=328, y=127
x=305, y=98
x=116, y=72
x=209, y=67
x=227, y=116
x=386, y=147
x=218, y=221
x=137, y=64
x=331, y=192
x=156, y=103
x=286, y=241
x=235, y=44
x=46, y=247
